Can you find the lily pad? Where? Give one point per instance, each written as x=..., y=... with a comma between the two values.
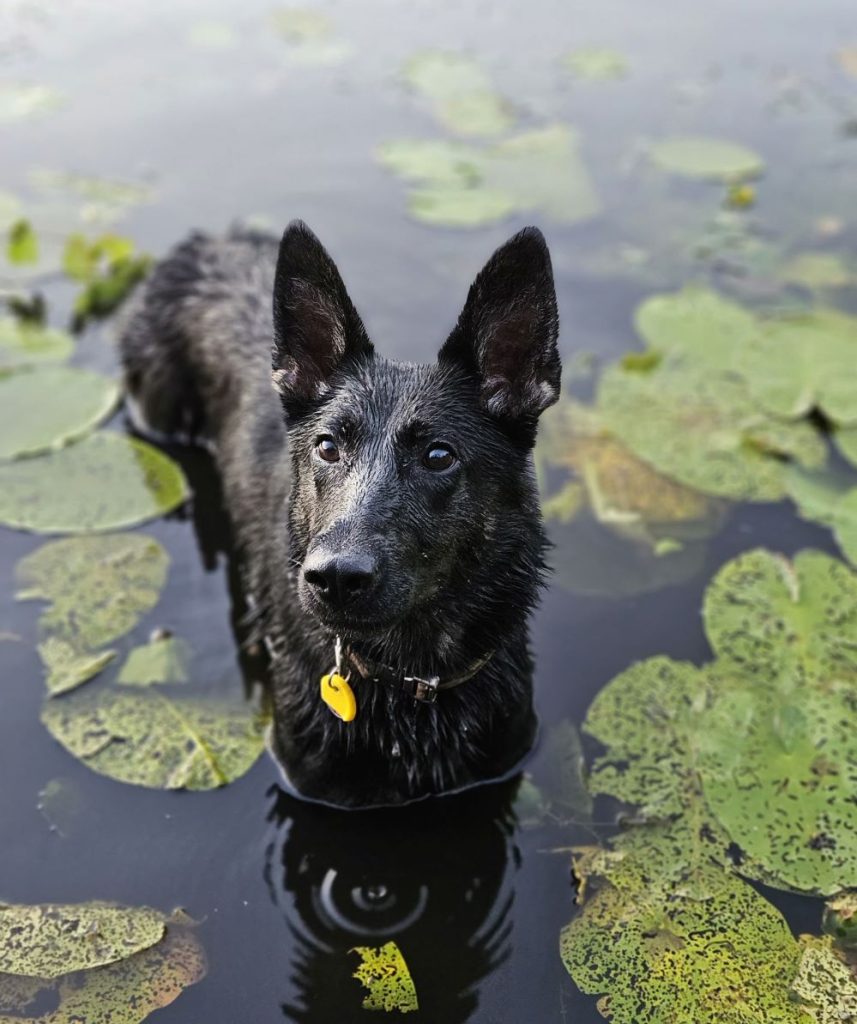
x=163, y=660
x=67, y=668
x=104, y=482
x=438, y=161
x=704, y=429
x=22, y=101
x=126, y=992
x=23, y=344
x=705, y=158
x=818, y=271
x=50, y=940
x=825, y=985
x=105, y=200
x=48, y=408
x=385, y=974
x=798, y=364
x=23, y=244
x=456, y=207
x=148, y=739
x=212, y=35
x=830, y=501
x=596, y=64
x=298, y=24
x=461, y=94
x=840, y=920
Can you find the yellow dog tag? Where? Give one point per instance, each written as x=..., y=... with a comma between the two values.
x=338, y=696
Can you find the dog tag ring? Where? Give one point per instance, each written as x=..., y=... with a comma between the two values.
x=336, y=691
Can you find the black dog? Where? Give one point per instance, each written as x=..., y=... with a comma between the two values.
x=390, y=505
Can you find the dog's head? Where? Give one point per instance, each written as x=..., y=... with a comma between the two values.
x=411, y=482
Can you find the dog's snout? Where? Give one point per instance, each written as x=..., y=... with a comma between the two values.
x=340, y=578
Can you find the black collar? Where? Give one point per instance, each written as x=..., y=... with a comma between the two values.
x=422, y=689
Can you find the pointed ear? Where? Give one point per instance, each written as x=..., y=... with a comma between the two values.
x=506, y=334
x=316, y=327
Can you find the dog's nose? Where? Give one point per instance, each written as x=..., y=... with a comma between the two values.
x=340, y=578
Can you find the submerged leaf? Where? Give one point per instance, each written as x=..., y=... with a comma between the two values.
x=104, y=482
x=703, y=428
x=657, y=953
x=825, y=985
x=385, y=974
x=23, y=343
x=461, y=94
x=162, y=660
x=53, y=939
x=700, y=157
x=49, y=407
x=126, y=992
x=148, y=739
x=818, y=271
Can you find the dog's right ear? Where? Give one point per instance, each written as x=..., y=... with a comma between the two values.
x=316, y=327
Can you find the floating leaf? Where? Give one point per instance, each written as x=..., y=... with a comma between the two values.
x=825, y=986
x=148, y=739
x=435, y=160
x=596, y=64
x=10, y=209
x=68, y=668
x=108, y=268
x=126, y=992
x=656, y=953
x=53, y=939
x=818, y=271
x=212, y=35
x=385, y=974
x=840, y=920
x=19, y=102
x=98, y=587
x=829, y=500
x=23, y=343
x=460, y=207
x=801, y=363
x=23, y=245
x=162, y=660
x=104, y=482
x=564, y=505
x=299, y=24
x=48, y=408
x=108, y=198
x=705, y=430
x=700, y=157
x=461, y=94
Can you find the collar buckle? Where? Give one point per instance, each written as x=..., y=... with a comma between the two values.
x=424, y=690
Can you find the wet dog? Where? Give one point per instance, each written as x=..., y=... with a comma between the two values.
x=385, y=514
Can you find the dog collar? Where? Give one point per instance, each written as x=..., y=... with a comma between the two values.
x=422, y=688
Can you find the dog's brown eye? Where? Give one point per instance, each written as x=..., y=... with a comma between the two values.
x=438, y=457
x=327, y=450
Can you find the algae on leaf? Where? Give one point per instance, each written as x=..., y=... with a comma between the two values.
x=384, y=972
x=104, y=482
x=148, y=739
x=125, y=992
x=48, y=940
x=50, y=407
x=23, y=344
x=705, y=158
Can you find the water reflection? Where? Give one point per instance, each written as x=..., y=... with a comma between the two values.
x=436, y=878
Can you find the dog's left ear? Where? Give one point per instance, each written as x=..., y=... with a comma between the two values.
x=506, y=334
x=316, y=327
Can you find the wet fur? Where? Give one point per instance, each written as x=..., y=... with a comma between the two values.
x=197, y=351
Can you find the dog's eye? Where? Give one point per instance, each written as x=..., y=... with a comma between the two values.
x=327, y=450
x=438, y=457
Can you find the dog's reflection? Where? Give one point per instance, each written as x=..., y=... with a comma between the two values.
x=435, y=877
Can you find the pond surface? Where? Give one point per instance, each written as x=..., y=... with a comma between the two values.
x=222, y=118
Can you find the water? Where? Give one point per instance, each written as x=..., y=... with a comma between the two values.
x=285, y=890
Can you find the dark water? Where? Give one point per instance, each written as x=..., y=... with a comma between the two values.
x=285, y=890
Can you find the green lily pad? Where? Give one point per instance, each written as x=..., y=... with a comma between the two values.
x=803, y=363
x=20, y=102
x=711, y=159
x=818, y=271
x=163, y=660
x=50, y=940
x=830, y=501
x=596, y=64
x=825, y=985
x=705, y=430
x=66, y=668
x=23, y=344
x=98, y=587
x=655, y=954
x=461, y=94
x=385, y=974
x=126, y=992
x=148, y=739
x=456, y=207
x=790, y=623
x=48, y=408
x=104, y=482
x=23, y=244
x=438, y=161
x=699, y=324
